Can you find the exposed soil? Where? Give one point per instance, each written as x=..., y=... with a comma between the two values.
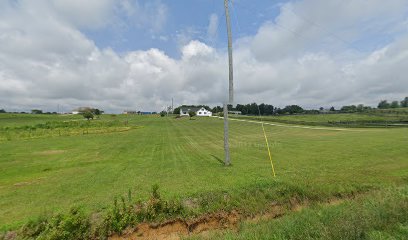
x=178, y=228
x=175, y=229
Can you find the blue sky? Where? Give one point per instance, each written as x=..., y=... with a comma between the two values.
x=190, y=18
x=139, y=54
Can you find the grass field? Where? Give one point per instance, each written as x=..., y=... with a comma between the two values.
x=184, y=157
x=377, y=118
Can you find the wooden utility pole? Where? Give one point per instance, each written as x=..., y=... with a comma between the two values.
x=227, y=160
x=230, y=65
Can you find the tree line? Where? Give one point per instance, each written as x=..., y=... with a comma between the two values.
x=268, y=109
x=384, y=104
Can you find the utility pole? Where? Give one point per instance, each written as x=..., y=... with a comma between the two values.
x=227, y=160
x=230, y=65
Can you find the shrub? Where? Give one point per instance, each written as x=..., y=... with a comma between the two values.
x=88, y=115
x=191, y=114
x=126, y=213
x=74, y=225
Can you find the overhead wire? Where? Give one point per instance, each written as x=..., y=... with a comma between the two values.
x=316, y=25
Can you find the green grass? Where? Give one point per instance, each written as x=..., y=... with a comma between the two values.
x=382, y=215
x=378, y=118
x=57, y=127
x=13, y=120
x=184, y=158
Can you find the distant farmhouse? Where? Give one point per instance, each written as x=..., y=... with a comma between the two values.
x=235, y=112
x=130, y=112
x=199, y=111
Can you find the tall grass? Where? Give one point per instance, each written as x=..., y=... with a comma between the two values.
x=61, y=128
x=382, y=215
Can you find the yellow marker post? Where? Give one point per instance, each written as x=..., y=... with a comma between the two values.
x=269, y=151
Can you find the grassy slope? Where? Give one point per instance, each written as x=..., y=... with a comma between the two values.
x=183, y=157
x=12, y=120
x=381, y=215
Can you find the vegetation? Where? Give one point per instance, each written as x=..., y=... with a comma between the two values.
x=52, y=175
x=60, y=128
x=382, y=215
x=254, y=109
x=404, y=103
x=191, y=114
x=384, y=104
x=36, y=111
x=267, y=109
x=374, y=118
x=88, y=115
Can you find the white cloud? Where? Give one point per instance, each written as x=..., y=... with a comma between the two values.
x=212, y=27
x=151, y=15
x=89, y=14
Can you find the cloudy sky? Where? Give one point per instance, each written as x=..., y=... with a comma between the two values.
x=139, y=54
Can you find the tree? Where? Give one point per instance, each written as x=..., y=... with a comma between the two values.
x=36, y=111
x=332, y=109
x=292, y=109
x=404, y=103
x=348, y=109
x=2, y=111
x=395, y=104
x=383, y=104
x=88, y=115
x=253, y=109
x=262, y=109
x=96, y=111
x=162, y=113
x=360, y=107
x=191, y=114
x=177, y=110
x=216, y=109
x=269, y=109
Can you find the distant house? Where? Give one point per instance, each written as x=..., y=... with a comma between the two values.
x=129, y=112
x=145, y=113
x=199, y=111
x=235, y=112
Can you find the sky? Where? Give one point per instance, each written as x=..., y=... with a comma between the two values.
x=120, y=55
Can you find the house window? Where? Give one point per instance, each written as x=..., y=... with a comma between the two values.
x=199, y=113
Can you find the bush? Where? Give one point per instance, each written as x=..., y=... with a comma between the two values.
x=74, y=225
x=191, y=114
x=88, y=115
x=127, y=213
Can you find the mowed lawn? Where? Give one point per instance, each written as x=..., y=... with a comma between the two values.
x=184, y=157
x=395, y=115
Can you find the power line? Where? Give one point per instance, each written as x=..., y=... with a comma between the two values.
x=296, y=34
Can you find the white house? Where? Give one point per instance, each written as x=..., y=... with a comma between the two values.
x=200, y=112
